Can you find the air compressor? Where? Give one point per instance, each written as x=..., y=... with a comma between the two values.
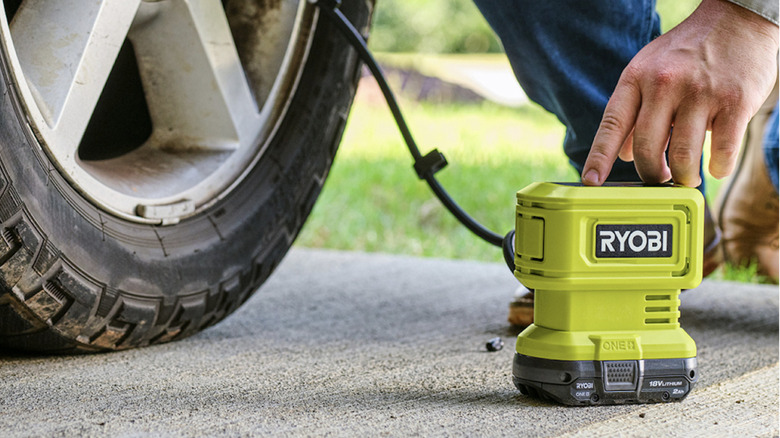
x=607, y=265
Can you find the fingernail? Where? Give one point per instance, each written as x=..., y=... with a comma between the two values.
x=591, y=178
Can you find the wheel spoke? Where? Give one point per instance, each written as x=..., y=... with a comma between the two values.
x=197, y=92
x=216, y=79
x=66, y=49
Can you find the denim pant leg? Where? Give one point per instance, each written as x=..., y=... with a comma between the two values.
x=771, y=146
x=568, y=56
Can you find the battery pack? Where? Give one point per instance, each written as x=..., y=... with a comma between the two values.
x=583, y=383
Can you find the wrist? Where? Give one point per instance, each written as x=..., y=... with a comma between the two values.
x=768, y=9
x=728, y=18
x=733, y=15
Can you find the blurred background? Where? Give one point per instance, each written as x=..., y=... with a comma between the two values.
x=458, y=94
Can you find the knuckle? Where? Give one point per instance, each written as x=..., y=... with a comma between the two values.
x=697, y=91
x=632, y=73
x=682, y=155
x=662, y=78
x=731, y=98
x=724, y=150
x=611, y=123
x=641, y=150
x=598, y=156
x=697, y=87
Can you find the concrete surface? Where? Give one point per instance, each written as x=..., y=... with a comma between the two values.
x=348, y=344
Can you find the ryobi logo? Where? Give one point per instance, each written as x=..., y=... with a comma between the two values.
x=614, y=241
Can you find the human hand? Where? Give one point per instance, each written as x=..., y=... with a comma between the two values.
x=711, y=72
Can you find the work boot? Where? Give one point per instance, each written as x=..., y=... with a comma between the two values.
x=748, y=203
x=521, y=309
x=713, y=250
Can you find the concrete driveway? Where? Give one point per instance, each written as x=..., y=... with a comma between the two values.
x=349, y=344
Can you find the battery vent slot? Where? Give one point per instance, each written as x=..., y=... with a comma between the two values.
x=658, y=321
x=658, y=309
x=657, y=315
x=658, y=297
x=619, y=375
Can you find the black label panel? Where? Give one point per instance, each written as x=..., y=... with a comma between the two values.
x=633, y=240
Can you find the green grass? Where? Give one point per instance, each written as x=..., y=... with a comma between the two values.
x=742, y=274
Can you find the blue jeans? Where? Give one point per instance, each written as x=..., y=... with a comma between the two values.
x=771, y=146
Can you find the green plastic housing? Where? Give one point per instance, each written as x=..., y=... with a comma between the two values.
x=607, y=265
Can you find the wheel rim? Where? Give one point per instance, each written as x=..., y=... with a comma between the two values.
x=154, y=109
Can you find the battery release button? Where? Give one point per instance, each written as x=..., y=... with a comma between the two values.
x=619, y=375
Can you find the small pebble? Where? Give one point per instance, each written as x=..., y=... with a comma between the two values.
x=494, y=344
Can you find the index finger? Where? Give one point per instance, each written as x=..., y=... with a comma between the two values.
x=616, y=124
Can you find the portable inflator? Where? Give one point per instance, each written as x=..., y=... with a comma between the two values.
x=607, y=265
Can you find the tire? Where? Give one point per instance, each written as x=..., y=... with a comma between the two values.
x=76, y=275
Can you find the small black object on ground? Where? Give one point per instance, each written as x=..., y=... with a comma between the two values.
x=494, y=344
